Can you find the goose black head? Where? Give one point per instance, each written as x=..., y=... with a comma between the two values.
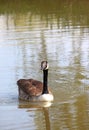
x=44, y=65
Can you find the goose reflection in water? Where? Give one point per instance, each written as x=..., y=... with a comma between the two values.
x=41, y=112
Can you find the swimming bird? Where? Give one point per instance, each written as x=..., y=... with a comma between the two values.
x=34, y=90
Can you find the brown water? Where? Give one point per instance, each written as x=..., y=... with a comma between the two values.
x=31, y=31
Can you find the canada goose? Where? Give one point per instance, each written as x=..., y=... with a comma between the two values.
x=33, y=90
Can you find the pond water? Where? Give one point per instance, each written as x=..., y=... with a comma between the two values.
x=32, y=31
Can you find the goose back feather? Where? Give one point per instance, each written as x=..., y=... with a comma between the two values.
x=30, y=86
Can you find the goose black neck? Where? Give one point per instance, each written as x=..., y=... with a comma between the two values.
x=45, y=82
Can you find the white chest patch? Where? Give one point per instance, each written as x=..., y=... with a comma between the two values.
x=46, y=97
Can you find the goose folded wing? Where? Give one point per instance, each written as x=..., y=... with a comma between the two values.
x=30, y=86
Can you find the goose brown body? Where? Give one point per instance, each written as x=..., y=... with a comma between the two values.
x=34, y=90
x=30, y=86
